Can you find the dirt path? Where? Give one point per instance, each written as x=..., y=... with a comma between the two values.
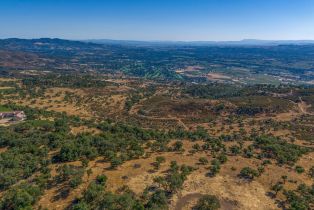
x=179, y=121
x=303, y=107
x=134, y=111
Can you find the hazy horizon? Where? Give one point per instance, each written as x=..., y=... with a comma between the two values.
x=138, y=40
x=184, y=20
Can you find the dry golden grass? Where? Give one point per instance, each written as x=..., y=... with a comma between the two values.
x=8, y=79
x=84, y=129
x=217, y=76
x=3, y=149
x=54, y=101
x=5, y=88
x=227, y=186
x=233, y=192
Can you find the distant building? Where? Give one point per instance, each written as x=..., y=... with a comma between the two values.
x=14, y=116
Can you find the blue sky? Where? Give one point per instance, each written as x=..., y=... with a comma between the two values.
x=158, y=19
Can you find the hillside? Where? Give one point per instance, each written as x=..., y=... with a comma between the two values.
x=118, y=126
x=95, y=140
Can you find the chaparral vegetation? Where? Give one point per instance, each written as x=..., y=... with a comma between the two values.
x=116, y=127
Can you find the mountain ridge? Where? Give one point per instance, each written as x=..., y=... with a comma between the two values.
x=248, y=42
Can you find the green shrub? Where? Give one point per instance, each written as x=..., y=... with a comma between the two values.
x=207, y=202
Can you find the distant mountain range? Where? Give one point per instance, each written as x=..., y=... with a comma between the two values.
x=48, y=42
x=244, y=42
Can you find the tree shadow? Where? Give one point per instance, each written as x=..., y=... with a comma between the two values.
x=62, y=194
